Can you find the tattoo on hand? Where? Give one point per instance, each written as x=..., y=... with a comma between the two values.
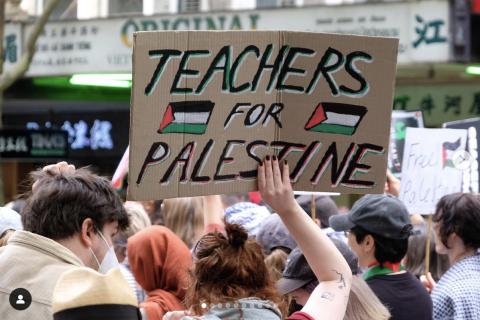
x=340, y=281
x=327, y=295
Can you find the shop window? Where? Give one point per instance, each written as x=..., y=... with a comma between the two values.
x=65, y=9
x=117, y=7
x=275, y=3
x=217, y=5
x=186, y=6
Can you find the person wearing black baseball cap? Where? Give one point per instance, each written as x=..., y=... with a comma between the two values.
x=378, y=229
x=298, y=278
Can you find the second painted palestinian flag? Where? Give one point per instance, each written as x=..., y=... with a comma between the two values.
x=337, y=118
x=448, y=150
x=186, y=117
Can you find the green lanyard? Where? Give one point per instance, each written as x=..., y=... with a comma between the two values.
x=378, y=271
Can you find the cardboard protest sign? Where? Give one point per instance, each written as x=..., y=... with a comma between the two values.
x=207, y=107
x=401, y=120
x=469, y=162
x=429, y=167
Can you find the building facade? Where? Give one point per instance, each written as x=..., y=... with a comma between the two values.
x=80, y=76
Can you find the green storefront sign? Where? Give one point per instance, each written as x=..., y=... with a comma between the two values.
x=440, y=103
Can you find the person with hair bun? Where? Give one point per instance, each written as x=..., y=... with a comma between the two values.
x=230, y=279
x=457, y=233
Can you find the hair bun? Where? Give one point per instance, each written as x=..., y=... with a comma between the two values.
x=237, y=235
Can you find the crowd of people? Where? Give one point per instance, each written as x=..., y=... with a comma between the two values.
x=83, y=253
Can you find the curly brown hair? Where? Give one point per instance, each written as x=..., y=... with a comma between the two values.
x=229, y=268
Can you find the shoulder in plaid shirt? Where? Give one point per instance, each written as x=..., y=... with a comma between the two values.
x=457, y=294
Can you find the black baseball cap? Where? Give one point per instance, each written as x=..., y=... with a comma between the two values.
x=383, y=215
x=274, y=234
x=298, y=273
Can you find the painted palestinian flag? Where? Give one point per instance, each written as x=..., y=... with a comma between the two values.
x=448, y=149
x=337, y=118
x=186, y=117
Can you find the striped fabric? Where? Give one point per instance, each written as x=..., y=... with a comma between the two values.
x=137, y=290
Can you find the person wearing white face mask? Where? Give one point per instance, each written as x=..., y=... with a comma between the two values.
x=69, y=221
x=109, y=260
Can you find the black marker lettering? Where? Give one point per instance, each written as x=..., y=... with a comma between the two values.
x=225, y=158
x=182, y=70
x=304, y=160
x=325, y=68
x=286, y=148
x=254, y=113
x=165, y=56
x=183, y=159
x=201, y=162
x=157, y=153
x=223, y=54
x=250, y=148
x=273, y=112
x=264, y=66
x=351, y=70
x=331, y=156
x=235, y=110
x=355, y=165
x=286, y=68
x=236, y=64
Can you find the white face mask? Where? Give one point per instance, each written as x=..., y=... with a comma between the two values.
x=109, y=261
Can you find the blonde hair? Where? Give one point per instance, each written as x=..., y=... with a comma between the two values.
x=275, y=262
x=184, y=216
x=137, y=220
x=363, y=304
x=137, y=216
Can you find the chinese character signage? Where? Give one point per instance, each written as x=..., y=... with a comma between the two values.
x=439, y=103
x=105, y=45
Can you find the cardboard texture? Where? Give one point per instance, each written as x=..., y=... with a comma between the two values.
x=469, y=162
x=207, y=106
x=430, y=167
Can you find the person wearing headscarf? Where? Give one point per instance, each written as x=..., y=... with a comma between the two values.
x=160, y=262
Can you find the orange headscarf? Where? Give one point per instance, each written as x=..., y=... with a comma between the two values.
x=160, y=263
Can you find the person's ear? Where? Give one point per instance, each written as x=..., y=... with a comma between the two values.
x=368, y=243
x=87, y=232
x=452, y=238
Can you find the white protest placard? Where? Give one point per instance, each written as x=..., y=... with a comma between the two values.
x=430, y=168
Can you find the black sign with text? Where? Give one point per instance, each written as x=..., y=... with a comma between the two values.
x=27, y=144
x=90, y=134
x=471, y=180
